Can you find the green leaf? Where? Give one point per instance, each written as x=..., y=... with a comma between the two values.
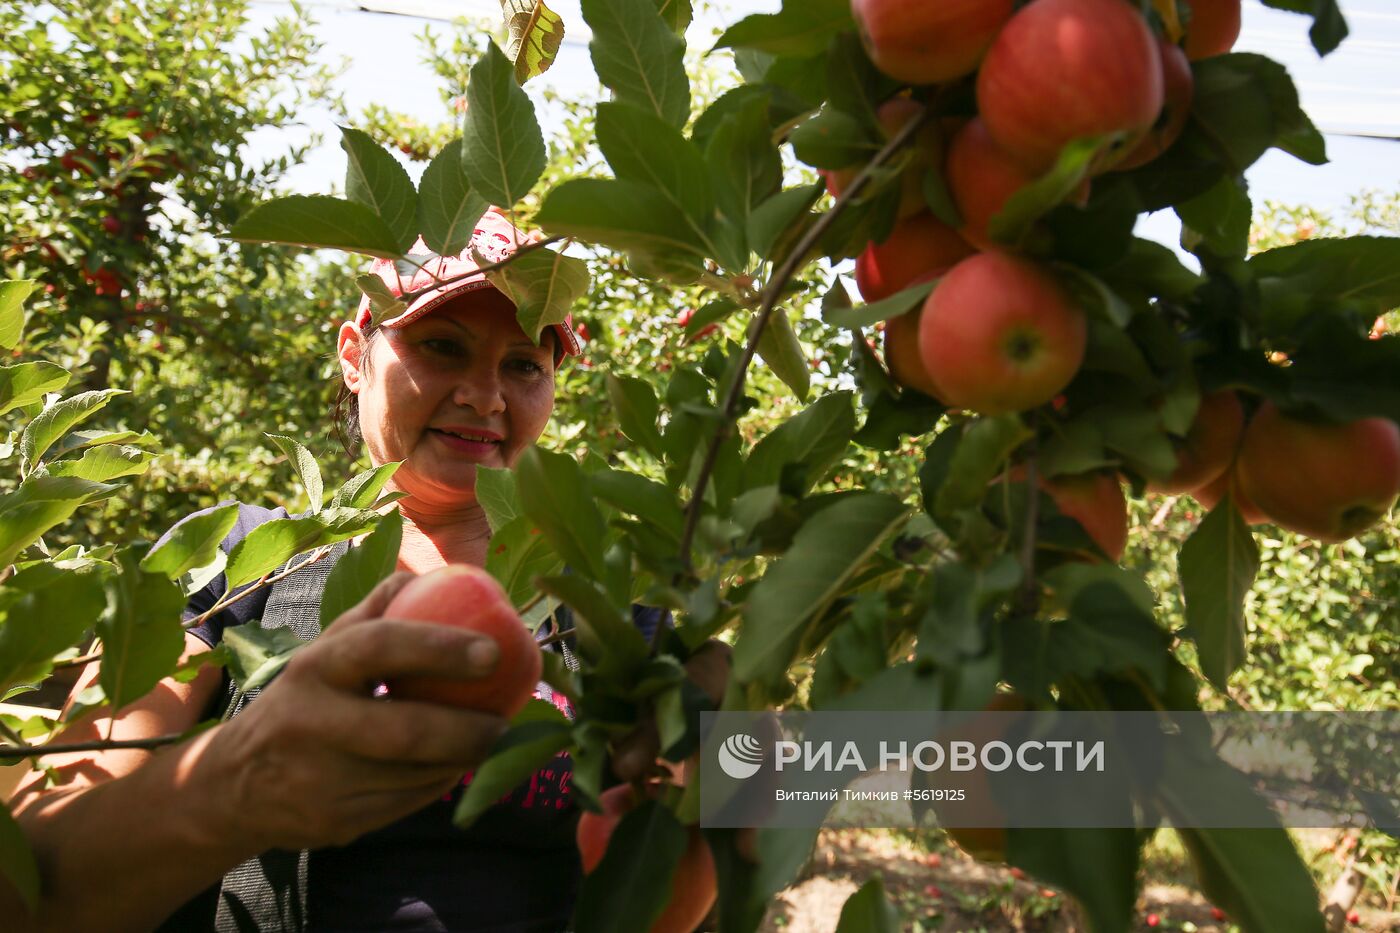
x=624, y=216
x=543, y=285
x=13, y=294
x=536, y=33
x=503, y=152
x=273, y=543
x=77, y=440
x=826, y=551
x=518, y=554
x=868, y=911
x=318, y=222
x=629, y=888
x=642, y=147
x=634, y=402
x=1329, y=28
x=536, y=734
x=361, y=568
x=17, y=860
x=1327, y=274
x=192, y=543
x=815, y=437
x=46, y=609
x=495, y=493
x=802, y=28
x=745, y=167
x=639, y=496
x=554, y=493
x=1013, y=223
x=1217, y=565
x=980, y=457
x=893, y=306
x=257, y=653
x=448, y=208
x=1247, y=103
x=1218, y=219
x=362, y=490
x=58, y=419
x=384, y=304
x=142, y=635
x=40, y=503
x=377, y=180
x=606, y=638
x=782, y=351
x=1254, y=875
x=833, y=140
x=676, y=14
x=29, y=382
x=307, y=469
x=1097, y=866
x=775, y=224
x=103, y=463
x=638, y=57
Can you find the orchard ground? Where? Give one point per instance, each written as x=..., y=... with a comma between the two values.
x=972, y=895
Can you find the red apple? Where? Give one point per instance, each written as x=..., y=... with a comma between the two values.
x=1179, y=87
x=1062, y=70
x=1211, y=493
x=919, y=247
x=1326, y=481
x=112, y=225
x=468, y=597
x=999, y=334
x=683, y=320
x=694, y=884
x=902, y=353
x=1209, y=447
x=924, y=42
x=1096, y=501
x=1213, y=29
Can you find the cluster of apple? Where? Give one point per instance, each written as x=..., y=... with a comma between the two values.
x=1000, y=333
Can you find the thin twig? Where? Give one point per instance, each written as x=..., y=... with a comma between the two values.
x=1028, y=586
x=772, y=292
x=78, y=661
x=411, y=296
x=229, y=599
x=35, y=751
x=557, y=636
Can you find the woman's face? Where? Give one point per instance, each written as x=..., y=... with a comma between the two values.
x=460, y=386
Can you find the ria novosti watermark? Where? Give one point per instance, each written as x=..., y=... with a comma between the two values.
x=1065, y=769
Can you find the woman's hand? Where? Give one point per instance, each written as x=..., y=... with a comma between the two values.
x=316, y=760
x=635, y=755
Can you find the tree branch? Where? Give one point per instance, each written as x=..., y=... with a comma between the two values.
x=772, y=292
x=410, y=297
x=36, y=751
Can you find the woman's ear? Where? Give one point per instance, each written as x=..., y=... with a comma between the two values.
x=350, y=347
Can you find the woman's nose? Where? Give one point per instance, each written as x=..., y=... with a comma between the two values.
x=481, y=391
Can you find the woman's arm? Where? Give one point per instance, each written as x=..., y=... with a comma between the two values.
x=314, y=761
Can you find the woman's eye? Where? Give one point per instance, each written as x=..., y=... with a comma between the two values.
x=529, y=366
x=443, y=346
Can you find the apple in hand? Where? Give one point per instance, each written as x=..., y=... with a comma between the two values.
x=468, y=597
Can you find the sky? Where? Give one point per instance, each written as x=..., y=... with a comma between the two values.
x=1352, y=95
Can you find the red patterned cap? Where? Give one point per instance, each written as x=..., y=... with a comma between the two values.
x=494, y=239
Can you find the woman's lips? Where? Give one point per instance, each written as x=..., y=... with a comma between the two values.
x=476, y=450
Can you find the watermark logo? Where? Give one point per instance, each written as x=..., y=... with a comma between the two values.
x=740, y=756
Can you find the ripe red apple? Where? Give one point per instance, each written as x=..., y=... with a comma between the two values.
x=581, y=331
x=918, y=247
x=985, y=843
x=694, y=884
x=112, y=225
x=468, y=597
x=1211, y=493
x=999, y=334
x=1213, y=29
x=982, y=177
x=1210, y=444
x=928, y=43
x=1066, y=69
x=1179, y=86
x=1096, y=501
x=683, y=320
x=894, y=115
x=902, y=353
x=1326, y=481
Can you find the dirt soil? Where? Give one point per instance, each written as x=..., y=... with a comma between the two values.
x=948, y=891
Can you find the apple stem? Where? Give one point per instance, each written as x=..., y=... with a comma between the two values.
x=772, y=292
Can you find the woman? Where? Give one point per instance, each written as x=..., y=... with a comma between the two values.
x=317, y=762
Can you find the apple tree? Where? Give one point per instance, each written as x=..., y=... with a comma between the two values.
x=985, y=173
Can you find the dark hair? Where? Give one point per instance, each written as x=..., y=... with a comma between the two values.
x=345, y=407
